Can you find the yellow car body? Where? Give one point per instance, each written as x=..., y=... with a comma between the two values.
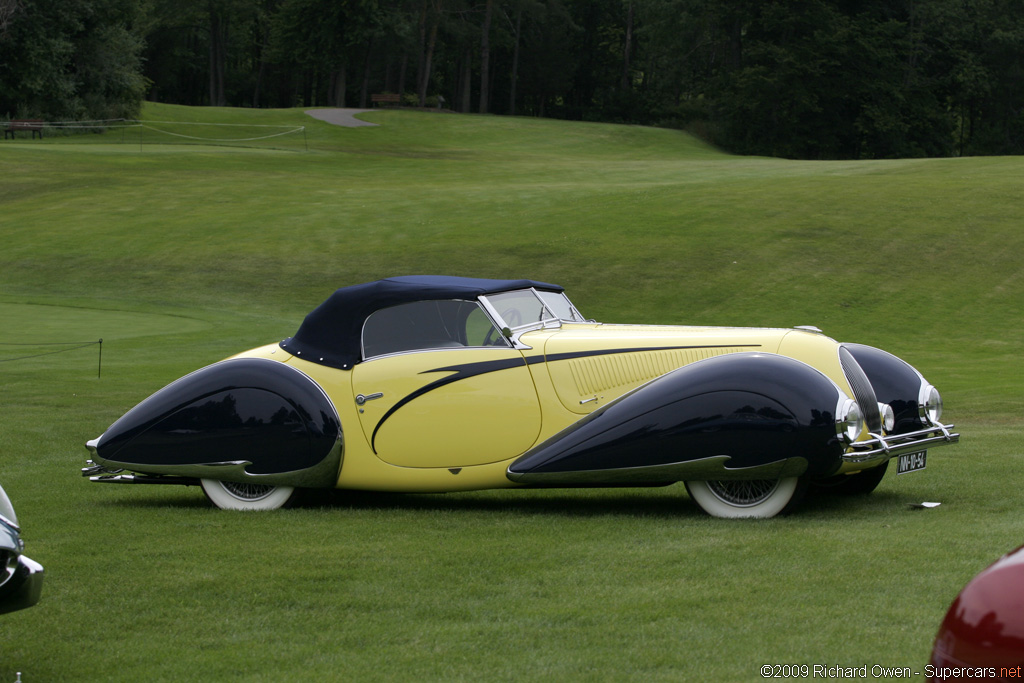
x=448, y=384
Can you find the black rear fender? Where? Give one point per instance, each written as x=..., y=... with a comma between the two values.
x=246, y=419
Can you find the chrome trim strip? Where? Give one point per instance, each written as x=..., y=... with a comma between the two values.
x=492, y=313
x=322, y=475
x=145, y=479
x=884, y=447
x=93, y=468
x=714, y=468
x=863, y=390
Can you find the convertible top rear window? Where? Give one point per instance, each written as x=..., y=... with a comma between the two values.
x=428, y=325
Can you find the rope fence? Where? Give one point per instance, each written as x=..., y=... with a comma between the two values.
x=74, y=346
x=190, y=131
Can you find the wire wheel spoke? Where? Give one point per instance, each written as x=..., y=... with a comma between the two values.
x=248, y=491
x=743, y=492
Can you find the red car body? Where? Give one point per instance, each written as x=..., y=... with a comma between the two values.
x=982, y=636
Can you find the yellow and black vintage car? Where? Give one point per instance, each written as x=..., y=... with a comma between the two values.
x=433, y=383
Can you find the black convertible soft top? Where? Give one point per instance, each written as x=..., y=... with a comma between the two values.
x=331, y=333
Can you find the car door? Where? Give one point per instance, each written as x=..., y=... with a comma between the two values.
x=440, y=387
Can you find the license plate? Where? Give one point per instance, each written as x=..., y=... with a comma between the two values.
x=911, y=462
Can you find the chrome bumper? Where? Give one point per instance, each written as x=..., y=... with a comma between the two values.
x=24, y=587
x=103, y=475
x=884, y=447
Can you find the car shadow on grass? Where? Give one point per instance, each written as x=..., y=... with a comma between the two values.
x=665, y=502
x=669, y=502
x=824, y=503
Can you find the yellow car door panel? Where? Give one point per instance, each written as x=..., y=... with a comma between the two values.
x=447, y=408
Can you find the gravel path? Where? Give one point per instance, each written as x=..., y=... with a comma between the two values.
x=340, y=117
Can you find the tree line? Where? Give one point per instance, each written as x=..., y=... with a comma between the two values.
x=790, y=78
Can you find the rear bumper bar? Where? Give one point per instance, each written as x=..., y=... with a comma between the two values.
x=103, y=475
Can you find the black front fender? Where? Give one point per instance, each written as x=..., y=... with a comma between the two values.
x=743, y=415
x=895, y=382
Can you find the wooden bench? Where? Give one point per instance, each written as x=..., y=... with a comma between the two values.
x=35, y=126
x=386, y=98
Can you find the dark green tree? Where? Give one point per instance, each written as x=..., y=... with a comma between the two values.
x=988, y=76
x=72, y=59
x=324, y=42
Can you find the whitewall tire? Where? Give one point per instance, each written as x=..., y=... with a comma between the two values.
x=736, y=499
x=229, y=495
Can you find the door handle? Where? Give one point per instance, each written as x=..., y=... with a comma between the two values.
x=361, y=399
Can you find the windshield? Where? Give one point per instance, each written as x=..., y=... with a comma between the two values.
x=530, y=307
x=559, y=304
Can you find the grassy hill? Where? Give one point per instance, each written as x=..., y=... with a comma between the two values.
x=180, y=254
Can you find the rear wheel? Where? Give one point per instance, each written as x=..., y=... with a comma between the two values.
x=230, y=495
x=759, y=498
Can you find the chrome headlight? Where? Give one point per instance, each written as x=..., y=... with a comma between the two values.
x=888, y=416
x=849, y=419
x=930, y=404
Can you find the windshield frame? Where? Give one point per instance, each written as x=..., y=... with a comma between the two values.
x=549, y=318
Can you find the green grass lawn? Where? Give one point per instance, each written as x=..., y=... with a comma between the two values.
x=179, y=255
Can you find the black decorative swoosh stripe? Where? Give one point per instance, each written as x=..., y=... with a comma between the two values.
x=461, y=372
x=467, y=370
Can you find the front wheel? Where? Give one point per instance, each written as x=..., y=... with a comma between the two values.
x=733, y=499
x=230, y=495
